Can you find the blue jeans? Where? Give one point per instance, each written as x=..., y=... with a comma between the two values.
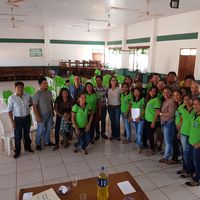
x=44, y=129
x=196, y=155
x=187, y=154
x=169, y=130
x=82, y=140
x=114, y=112
x=127, y=126
x=139, y=132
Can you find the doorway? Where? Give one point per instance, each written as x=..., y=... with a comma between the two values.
x=186, y=63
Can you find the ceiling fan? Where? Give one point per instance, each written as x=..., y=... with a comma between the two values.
x=14, y=3
x=147, y=13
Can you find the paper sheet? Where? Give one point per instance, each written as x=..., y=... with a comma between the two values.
x=135, y=113
x=27, y=196
x=126, y=187
x=46, y=195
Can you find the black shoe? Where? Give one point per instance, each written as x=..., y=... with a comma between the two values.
x=30, y=150
x=50, y=144
x=75, y=149
x=16, y=155
x=112, y=138
x=182, y=171
x=104, y=136
x=92, y=142
x=38, y=147
x=118, y=138
x=97, y=138
x=192, y=183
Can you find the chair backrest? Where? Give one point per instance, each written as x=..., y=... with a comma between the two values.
x=6, y=94
x=33, y=118
x=6, y=124
x=29, y=90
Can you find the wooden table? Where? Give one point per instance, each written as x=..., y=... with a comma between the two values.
x=89, y=187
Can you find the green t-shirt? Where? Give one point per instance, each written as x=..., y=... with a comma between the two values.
x=148, y=86
x=194, y=134
x=138, y=104
x=186, y=120
x=125, y=101
x=91, y=99
x=81, y=114
x=178, y=115
x=150, y=110
x=160, y=95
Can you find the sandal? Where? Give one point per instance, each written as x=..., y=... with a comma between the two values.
x=192, y=183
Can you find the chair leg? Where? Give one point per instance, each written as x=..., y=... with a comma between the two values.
x=8, y=146
x=3, y=144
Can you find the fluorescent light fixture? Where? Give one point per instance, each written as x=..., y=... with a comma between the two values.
x=174, y=4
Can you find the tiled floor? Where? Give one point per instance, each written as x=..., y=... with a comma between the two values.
x=159, y=181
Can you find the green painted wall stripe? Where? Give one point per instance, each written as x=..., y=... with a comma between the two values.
x=184, y=36
x=19, y=40
x=77, y=42
x=138, y=40
x=117, y=42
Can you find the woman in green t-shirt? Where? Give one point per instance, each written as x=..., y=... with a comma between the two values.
x=91, y=99
x=80, y=113
x=194, y=140
x=138, y=122
x=153, y=103
x=186, y=112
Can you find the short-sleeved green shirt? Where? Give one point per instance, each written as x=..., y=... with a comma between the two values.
x=150, y=110
x=194, y=134
x=81, y=114
x=160, y=95
x=125, y=101
x=91, y=99
x=138, y=104
x=186, y=120
x=178, y=114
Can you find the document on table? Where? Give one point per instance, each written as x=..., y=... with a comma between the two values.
x=126, y=187
x=135, y=113
x=46, y=195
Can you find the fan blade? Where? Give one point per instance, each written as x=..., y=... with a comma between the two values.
x=124, y=9
x=79, y=26
x=15, y=1
x=96, y=20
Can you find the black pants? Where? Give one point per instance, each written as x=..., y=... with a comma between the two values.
x=92, y=127
x=22, y=129
x=175, y=144
x=57, y=129
x=148, y=134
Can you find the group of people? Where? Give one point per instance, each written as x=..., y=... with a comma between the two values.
x=165, y=106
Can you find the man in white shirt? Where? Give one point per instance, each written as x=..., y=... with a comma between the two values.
x=19, y=113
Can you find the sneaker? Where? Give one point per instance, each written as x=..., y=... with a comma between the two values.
x=192, y=183
x=50, y=144
x=104, y=136
x=55, y=147
x=182, y=171
x=162, y=160
x=38, y=147
x=97, y=137
x=16, y=155
x=186, y=175
x=118, y=138
x=172, y=162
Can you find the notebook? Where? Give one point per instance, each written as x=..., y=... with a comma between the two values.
x=126, y=187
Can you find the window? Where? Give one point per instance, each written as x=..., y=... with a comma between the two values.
x=115, y=58
x=138, y=58
x=188, y=52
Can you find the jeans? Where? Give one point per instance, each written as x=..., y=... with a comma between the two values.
x=175, y=144
x=92, y=127
x=168, y=129
x=188, y=164
x=57, y=129
x=82, y=140
x=139, y=126
x=196, y=156
x=103, y=122
x=127, y=126
x=114, y=112
x=22, y=129
x=44, y=129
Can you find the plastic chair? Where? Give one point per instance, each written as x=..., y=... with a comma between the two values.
x=33, y=124
x=29, y=90
x=6, y=94
x=6, y=132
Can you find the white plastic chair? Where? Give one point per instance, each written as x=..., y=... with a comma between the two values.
x=6, y=132
x=33, y=124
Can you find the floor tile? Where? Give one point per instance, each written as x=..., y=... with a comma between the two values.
x=77, y=167
x=29, y=177
x=7, y=181
x=8, y=194
x=178, y=192
x=156, y=195
x=118, y=159
x=97, y=163
x=53, y=172
x=51, y=161
x=57, y=180
x=28, y=165
x=8, y=168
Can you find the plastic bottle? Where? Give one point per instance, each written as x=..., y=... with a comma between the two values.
x=102, y=185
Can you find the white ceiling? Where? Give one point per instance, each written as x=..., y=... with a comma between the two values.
x=66, y=13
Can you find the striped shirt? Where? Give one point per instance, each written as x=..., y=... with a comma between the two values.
x=102, y=93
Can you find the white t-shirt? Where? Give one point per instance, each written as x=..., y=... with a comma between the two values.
x=114, y=96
